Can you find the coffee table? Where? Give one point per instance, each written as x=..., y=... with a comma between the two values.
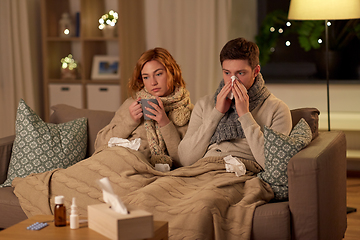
x=19, y=231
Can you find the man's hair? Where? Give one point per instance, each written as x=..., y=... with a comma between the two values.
x=240, y=48
x=162, y=56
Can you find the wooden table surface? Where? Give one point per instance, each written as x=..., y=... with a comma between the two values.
x=19, y=231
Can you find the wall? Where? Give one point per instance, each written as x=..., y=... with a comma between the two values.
x=344, y=110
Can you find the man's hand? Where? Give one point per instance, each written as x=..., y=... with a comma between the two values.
x=241, y=98
x=222, y=102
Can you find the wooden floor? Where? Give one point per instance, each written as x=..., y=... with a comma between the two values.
x=353, y=200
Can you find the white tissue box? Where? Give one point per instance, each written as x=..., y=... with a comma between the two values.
x=138, y=224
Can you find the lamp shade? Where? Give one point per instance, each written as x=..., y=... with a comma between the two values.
x=324, y=9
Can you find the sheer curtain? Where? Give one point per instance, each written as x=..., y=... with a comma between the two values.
x=194, y=31
x=20, y=59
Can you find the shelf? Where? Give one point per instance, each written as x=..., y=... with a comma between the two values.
x=127, y=44
x=63, y=39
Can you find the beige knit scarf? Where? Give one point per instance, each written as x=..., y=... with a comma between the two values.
x=178, y=108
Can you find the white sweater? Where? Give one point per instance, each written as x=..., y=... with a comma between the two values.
x=273, y=113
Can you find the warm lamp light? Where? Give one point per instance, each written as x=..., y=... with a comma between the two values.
x=324, y=10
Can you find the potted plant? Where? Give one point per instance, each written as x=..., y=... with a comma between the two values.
x=311, y=36
x=107, y=23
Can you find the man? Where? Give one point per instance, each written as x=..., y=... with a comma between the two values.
x=220, y=126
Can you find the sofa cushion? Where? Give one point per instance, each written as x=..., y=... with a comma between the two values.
x=278, y=150
x=311, y=116
x=96, y=120
x=6, y=144
x=10, y=209
x=272, y=221
x=40, y=146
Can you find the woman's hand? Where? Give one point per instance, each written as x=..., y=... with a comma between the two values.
x=159, y=112
x=136, y=111
x=222, y=102
x=241, y=98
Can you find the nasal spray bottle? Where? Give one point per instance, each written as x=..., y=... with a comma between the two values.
x=74, y=217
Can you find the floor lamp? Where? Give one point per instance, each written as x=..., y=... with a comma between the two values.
x=325, y=10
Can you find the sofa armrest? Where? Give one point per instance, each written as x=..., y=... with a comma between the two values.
x=6, y=144
x=317, y=188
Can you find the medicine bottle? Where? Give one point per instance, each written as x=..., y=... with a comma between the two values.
x=59, y=212
x=74, y=217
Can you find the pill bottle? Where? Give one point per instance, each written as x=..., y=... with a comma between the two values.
x=59, y=212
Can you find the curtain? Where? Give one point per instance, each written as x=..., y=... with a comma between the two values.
x=20, y=59
x=194, y=31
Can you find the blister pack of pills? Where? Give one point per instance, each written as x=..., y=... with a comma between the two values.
x=37, y=226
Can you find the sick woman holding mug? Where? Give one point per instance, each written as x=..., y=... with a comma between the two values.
x=156, y=76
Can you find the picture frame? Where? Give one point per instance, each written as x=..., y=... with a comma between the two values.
x=105, y=67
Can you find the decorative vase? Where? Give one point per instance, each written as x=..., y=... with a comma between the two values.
x=109, y=31
x=65, y=26
x=66, y=73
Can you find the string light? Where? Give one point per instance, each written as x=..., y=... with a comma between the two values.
x=320, y=41
x=288, y=24
x=272, y=29
x=287, y=43
x=281, y=30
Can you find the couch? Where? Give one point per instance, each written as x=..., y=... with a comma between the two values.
x=315, y=209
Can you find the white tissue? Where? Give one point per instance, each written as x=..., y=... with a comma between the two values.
x=134, y=144
x=162, y=167
x=233, y=78
x=231, y=95
x=234, y=165
x=111, y=198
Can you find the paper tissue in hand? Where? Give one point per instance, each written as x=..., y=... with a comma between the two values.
x=115, y=221
x=232, y=164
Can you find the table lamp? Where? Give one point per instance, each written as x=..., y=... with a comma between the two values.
x=324, y=10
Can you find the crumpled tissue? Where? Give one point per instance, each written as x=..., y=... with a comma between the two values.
x=134, y=144
x=111, y=198
x=232, y=164
x=162, y=167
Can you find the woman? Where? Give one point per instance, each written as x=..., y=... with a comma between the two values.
x=156, y=75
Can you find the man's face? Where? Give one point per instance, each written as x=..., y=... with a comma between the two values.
x=241, y=69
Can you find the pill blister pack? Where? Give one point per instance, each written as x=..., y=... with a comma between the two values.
x=37, y=226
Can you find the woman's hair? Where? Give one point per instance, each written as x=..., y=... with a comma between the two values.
x=240, y=48
x=174, y=77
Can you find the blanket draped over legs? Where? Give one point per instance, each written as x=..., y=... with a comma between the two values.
x=201, y=201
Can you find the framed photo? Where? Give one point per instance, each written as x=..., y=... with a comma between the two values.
x=105, y=67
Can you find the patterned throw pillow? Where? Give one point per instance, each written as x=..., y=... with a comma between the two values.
x=40, y=146
x=278, y=150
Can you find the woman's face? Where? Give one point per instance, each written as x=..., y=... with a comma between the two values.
x=154, y=77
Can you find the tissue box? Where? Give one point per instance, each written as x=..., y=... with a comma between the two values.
x=138, y=224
